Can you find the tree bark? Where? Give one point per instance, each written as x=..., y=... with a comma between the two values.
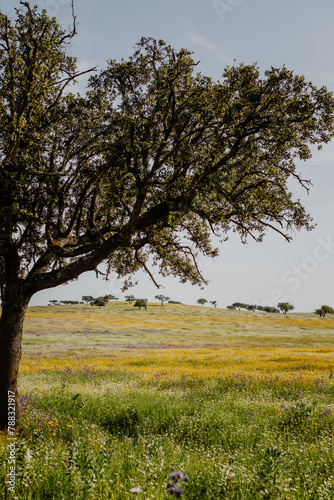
x=14, y=308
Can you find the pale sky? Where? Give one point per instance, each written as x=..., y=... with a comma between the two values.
x=297, y=33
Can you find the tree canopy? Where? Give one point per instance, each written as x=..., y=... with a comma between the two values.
x=162, y=298
x=151, y=160
x=285, y=307
x=323, y=310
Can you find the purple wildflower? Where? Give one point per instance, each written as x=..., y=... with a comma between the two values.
x=175, y=491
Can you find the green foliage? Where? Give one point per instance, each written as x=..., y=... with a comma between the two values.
x=236, y=305
x=87, y=298
x=225, y=442
x=122, y=423
x=271, y=467
x=285, y=307
x=324, y=310
x=109, y=297
x=251, y=307
x=327, y=310
x=202, y=301
x=270, y=309
x=162, y=298
x=297, y=416
x=130, y=298
x=152, y=150
x=141, y=303
x=320, y=312
x=99, y=302
x=213, y=302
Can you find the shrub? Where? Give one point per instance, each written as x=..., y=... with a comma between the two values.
x=141, y=303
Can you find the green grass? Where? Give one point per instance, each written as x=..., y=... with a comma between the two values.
x=97, y=432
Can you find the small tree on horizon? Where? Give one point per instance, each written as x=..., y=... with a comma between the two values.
x=237, y=305
x=323, y=310
x=213, y=302
x=250, y=307
x=99, y=302
x=109, y=298
x=270, y=309
x=130, y=298
x=87, y=298
x=285, y=307
x=202, y=302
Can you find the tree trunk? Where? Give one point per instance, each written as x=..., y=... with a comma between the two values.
x=14, y=308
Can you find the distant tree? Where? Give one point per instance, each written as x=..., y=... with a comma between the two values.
x=324, y=310
x=87, y=298
x=174, y=302
x=162, y=298
x=202, y=301
x=152, y=150
x=250, y=307
x=285, y=307
x=110, y=297
x=320, y=312
x=238, y=305
x=99, y=302
x=327, y=310
x=270, y=309
x=213, y=302
x=141, y=303
x=130, y=298
x=53, y=302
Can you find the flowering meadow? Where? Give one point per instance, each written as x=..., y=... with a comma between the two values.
x=175, y=401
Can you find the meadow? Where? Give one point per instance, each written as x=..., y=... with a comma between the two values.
x=116, y=399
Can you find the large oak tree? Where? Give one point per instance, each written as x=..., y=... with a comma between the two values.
x=139, y=171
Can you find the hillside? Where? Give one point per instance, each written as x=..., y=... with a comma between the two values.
x=121, y=324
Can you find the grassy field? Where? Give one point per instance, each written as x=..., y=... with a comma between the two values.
x=115, y=399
